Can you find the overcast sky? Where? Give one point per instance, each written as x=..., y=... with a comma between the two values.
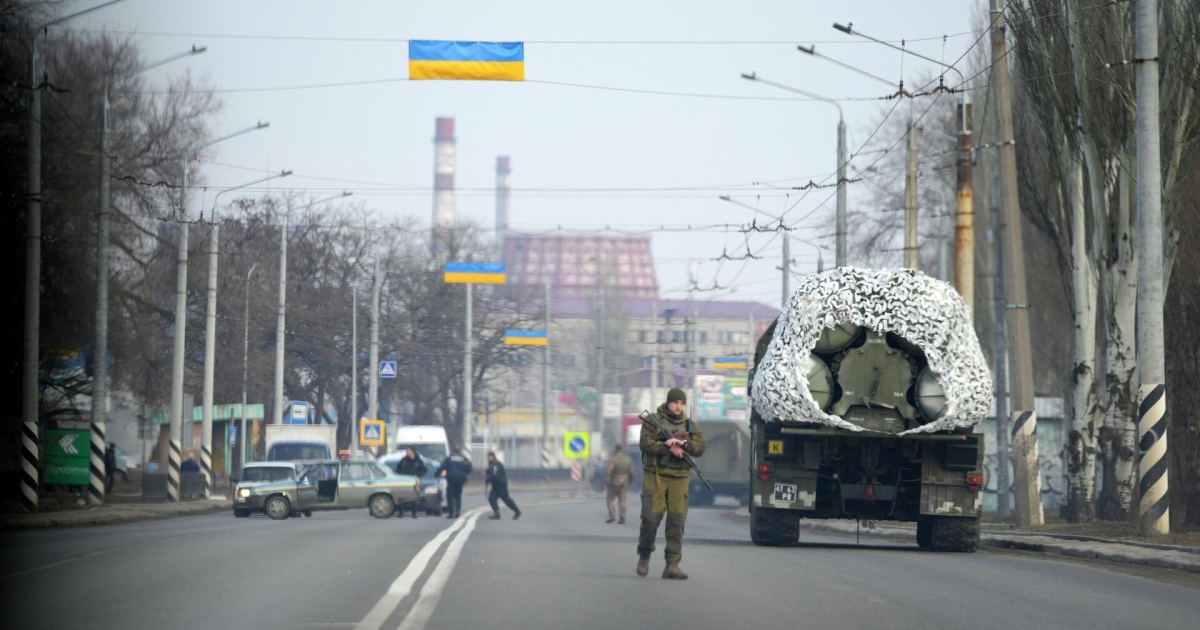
x=645, y=159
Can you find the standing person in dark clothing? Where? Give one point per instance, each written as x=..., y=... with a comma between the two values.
x=413, y=465
x=110, y=467
x=499, y=480
x=455, y=469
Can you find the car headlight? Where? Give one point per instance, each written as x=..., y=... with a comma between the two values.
x=243, y=492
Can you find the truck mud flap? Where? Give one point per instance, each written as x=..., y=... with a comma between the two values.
x=939, y=500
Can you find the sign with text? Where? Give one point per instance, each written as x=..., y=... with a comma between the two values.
x=612, y=406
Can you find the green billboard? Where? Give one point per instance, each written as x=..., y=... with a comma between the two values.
x=67, y=457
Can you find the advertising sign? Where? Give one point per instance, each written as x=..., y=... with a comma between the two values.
x=720, y=397
x=612, y=406
x=67, y=457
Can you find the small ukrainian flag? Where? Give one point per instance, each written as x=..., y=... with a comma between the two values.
x=525, y=338
x=727, y=363
x=480, y=61
x=473, y=273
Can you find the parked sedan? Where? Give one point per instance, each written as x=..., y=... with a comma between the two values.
x=334, y=485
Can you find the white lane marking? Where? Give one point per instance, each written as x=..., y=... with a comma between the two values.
x=432, y=591
x=403, y=584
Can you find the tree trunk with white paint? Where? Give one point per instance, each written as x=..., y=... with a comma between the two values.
x=1121, y=351
x=1081, y=444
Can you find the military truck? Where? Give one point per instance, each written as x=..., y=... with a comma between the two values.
x=881, y=465
x=725, y=462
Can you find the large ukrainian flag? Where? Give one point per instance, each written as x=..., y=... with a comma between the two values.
x=503, y=61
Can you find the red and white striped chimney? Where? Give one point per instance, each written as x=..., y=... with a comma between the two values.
x=443, y=175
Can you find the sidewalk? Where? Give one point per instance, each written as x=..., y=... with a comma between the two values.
x=110, y=513
x=1183, y=558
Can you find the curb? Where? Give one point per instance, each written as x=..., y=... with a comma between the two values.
x=1002, y=541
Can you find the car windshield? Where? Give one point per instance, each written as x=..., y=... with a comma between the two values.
x=292, y=452
x=436, y=452
x=268, y=473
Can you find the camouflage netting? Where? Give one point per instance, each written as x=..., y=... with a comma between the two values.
x=925, y=311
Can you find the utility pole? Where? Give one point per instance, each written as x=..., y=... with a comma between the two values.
x=911, y=204
x=280, y=321
x=840, y=255
x=546, y=384
x=245, y=364
x=96, y=477
x=655, y=357
x=600, y=356
x=1154, y=509
x=354, y=371
x=1000, y=357
x=175, y=449
x=1024, y=430
x=468, y=367
x=964, y=228
x=373, y=378
x=786, y=268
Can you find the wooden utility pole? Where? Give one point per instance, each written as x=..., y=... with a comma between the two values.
x=1024, y=429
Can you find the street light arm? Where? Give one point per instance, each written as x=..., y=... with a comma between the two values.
x=196, y=50
x=849, y=30
x=754, y=77
x=75, y=15
x=201, y=147
x=812, y=50
x=257, y=181
x=344, y=194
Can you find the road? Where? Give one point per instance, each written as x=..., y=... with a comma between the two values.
x=560, y=566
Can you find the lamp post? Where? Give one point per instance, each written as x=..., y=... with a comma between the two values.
x=174, y=453
x=245, y=367
x=840, y=233
x=911, y=204
x=210, y=335
x=30, y=433
x=964, y=229
x=96, y=486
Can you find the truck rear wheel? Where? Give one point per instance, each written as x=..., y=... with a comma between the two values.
x=774, y=528
x=949, y=533
x=925, y=533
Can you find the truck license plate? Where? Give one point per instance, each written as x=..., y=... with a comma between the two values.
x=785, y=492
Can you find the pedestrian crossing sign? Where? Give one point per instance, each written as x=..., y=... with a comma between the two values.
x=577, y=445
x=387, y=369
x=371, y=432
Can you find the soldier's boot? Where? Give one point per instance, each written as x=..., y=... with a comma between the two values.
x=610, y=519
x=620, y=522
x=643, y=566
x=673, y=572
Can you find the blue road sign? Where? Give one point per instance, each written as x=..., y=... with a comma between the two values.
x=387, y=369
x=299, y=413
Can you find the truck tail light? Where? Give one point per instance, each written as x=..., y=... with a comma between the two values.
x=764, y=471
x=974, y=482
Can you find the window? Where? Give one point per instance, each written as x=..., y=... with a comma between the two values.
x=434, y=451
x=662, y=336
x=268, y=473
x=643, y=336
x=677, y=336
x=379, y=470
x=354, y=471
x=647, y=362
x=563, y=360
x=703, y=336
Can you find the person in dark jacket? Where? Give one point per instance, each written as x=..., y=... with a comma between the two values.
x=412, y=464
x=498, y=478
x=455, y=469
x=110, y=467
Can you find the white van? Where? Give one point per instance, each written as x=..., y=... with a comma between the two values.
x=429, y=441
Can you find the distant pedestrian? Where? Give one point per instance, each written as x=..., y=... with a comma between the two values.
x=616, y=479
x=412, y=464
x=665, y=481
x=110, y=467
x=455, y=469
x=499, y=480
x=190, y=466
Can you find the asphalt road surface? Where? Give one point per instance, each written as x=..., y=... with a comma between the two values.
x=560, y=566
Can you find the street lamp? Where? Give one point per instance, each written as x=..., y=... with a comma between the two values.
x=100, y=352
x=175, y=450
x=911, y=204
x=280, y=316
x=33, y=274
x=245, y=368
x=210, y=335
x=964, y=231
x=840, y=256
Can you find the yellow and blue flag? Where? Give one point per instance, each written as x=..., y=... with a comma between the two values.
x=480, y=61
x=728, y=363
x=473, y=273
x=526, y=338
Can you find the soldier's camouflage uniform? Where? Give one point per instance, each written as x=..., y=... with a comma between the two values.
x=665, y=481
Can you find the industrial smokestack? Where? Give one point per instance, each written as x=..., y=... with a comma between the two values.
x=443, y=175
x=503, y=201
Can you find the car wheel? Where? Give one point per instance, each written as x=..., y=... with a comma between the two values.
x=121, y=476
x=278, y=508
x=240, y=513
x=382, y=506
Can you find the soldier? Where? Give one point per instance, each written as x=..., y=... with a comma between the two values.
x=496, y=476
x=616, y=479
x=665, y=482
x=455, y=469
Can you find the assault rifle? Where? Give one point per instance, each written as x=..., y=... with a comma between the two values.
x=662, y=434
